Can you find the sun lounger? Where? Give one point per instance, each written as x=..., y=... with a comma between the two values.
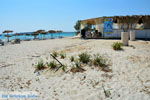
x=1, y=42
x=16, y=41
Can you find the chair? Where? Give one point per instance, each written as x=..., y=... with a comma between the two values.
x=1, y=42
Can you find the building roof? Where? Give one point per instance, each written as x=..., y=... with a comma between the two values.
x=119, y=19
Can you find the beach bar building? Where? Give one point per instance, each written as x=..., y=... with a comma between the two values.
x=111, y=27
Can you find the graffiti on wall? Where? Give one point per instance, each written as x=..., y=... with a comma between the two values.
x=108, y=25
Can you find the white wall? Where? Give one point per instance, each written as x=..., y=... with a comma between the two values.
x=115, y=34
x=138, y=34
x=142, y=33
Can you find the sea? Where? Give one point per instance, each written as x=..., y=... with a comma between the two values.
x=22, y=36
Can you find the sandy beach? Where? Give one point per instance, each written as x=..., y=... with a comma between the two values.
x=129, y=79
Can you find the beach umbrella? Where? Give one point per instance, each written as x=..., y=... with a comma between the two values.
x=7, y=35
x=43, y=33
x=36, y=33
x=52, y=31
x=16, y=34
x=59, y=31
x=28, y=34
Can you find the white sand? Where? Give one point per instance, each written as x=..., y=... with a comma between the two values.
x=130, y=79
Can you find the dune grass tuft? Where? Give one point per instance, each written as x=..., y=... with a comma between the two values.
x=84, y=57
x=72, y=58
x=40, y=65
x=62, y=55
x=77, y=67
x=55, y=53
x=117, y=46
x=64, y=67
x=52, y=65
x=99, y=61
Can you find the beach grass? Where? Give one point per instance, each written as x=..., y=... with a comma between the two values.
x=117, y=46
x=99, y=61
x=62, y=55
x=52, y=65
x=84, y=57
x=55, y=53
x=72, y=58
x=40, y=65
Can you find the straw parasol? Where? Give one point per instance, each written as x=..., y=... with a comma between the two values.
x=43, y=32
x=52, y=31
x=6, y=32
x=36, y=33
x=59, y=31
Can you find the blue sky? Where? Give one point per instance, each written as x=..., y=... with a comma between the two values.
x=31, y=15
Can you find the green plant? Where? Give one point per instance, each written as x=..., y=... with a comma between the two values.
x=84, y=57
x=77, y=67
x=72, y=58
x=77, y=25
x=62, y=55
x=117, y=46
x=77, y=64
x=64, y=67
x=52, y=65
x=40, y=65
x=55, y=53
x=99, y=61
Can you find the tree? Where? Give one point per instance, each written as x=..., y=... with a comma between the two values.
x=77, y=26
x=7, y=35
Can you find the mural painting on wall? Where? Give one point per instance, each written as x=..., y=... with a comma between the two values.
x=108, y=25
x=139, y=26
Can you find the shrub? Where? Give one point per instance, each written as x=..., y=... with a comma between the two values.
x=55, y=53
x=52, y=65
x=77, y=67
x=99, y=61
x=117, y=46
x=84, y=57
x=64, y=67
x=62, y=55
x=78, y=64
x=40, y=65
x=72, y=58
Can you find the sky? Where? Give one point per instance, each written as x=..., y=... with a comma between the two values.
x=32, y=15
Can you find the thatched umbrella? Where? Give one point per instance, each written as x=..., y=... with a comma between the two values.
x=6, y=32
x=43, y=32
x=16, y=34
x=52, y=31
x=36, y=33
x=28, y=34
x=59, y=31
